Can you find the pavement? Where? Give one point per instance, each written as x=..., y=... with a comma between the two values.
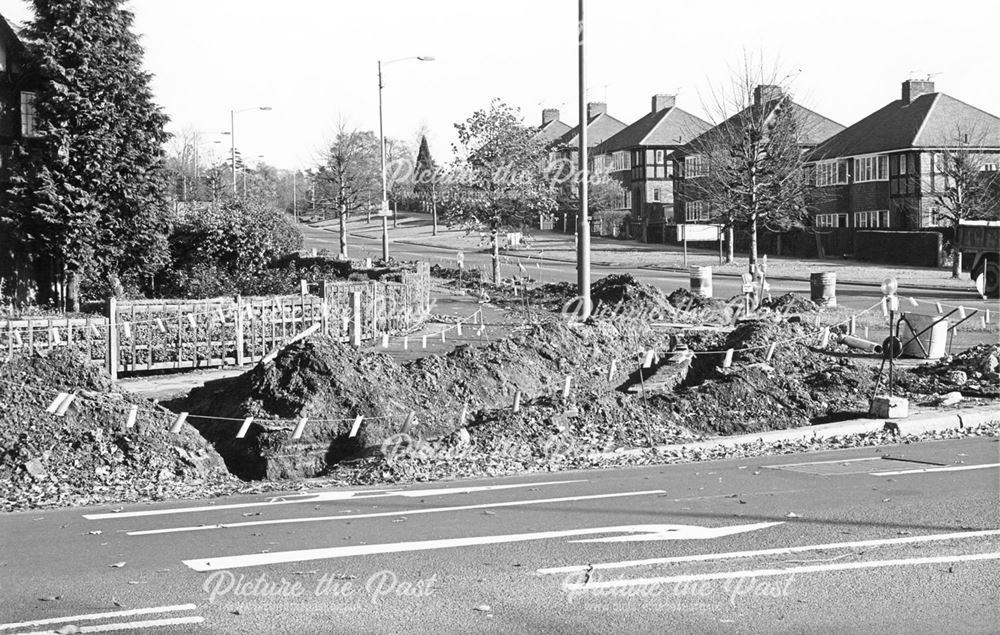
x=889, y=539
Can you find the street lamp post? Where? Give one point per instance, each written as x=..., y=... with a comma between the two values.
x=381, y=145
x=232, y=138
x=583, y=223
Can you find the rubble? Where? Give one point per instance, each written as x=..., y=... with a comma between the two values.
x=972, y=372
x=86, y=456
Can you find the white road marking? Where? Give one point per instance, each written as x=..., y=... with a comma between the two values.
x=650, y=532
x=950, y=468
x=867, y=458
x=405, y=512
x=771, y=552
x=100, y=616
x=320, y=497
x=764, y=573
x=128, y=626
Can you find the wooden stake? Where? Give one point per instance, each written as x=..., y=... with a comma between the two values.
x=728, y=359
x=297, y=432
x=611, y=371
x=133, y=413
x=64, y=406
x=517, y=401
x=356, y=426
x=770, y=351
x=181, y=418
x=242, y=432
x=567, y=385
x=648, y=361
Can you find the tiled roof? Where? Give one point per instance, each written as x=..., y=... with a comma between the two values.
x=814, y=128
x=929, y=121
x=552, y=131
x=599, y=128
x=666, y=127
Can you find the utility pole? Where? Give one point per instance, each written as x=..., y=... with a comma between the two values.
x=583, y=223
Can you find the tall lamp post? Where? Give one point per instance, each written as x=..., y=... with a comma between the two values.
x=381, y=145
x=583, y=223
x=232, y=138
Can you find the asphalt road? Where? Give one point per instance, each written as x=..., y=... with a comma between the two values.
x=367, y=244
x=858, y=542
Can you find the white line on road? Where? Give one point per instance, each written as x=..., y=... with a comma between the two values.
x=951, y=468
x=100, y=616
x=128, y=626
x=764, y=573
x=405, y=512
x=649, y=532
x=320, y=497
x=772, y=552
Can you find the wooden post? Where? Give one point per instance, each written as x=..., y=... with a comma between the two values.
x=324, y=307
x=238, y=335
x=356, y=312
x=111, y=313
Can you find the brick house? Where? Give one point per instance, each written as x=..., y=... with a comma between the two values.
x=18, y=85
x=883, y=171
x=552, y=127
x=813, y=130
x=638, y=158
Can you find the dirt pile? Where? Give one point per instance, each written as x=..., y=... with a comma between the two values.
x=974, y=372
x=329, y=383
x=790, y=303
x=798, y=386
x=87, y=456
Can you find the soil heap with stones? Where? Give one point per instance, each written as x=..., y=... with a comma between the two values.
x=412, y=409
x=87, y=456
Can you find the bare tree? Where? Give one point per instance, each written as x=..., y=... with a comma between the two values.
x=964, y=181
x=347, y=174
x=748, y=168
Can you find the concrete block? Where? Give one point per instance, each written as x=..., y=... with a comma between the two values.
x=885, y=407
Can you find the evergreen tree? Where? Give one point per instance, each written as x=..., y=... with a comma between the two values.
x=90, y=186
x=424, y=177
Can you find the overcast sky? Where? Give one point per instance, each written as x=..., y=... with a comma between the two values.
x=314, y=61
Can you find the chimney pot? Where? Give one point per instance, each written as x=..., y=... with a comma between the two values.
x=913, y=88
x=766, y=93
x=595, y=108
x=549, y=115
x=662, y=102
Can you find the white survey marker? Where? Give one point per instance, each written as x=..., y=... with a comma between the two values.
x=641, y=532
x=320, y=497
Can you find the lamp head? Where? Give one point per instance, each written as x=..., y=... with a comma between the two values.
x=425, y=58
x=889, y=286
x=264, y=108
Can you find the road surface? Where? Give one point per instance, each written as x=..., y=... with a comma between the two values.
x=897, y=539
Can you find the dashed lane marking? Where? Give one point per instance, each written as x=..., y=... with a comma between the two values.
x=926, y=470
x=99, y=616
x=406, y=512
x=639, y=532
x=130, y=626
x=772, y=552
x=320, y=497
x=764, y=573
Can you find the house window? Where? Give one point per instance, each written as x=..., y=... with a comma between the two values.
x=656, y=194
x=829, y=221
x=989, y=167
x=935, y=216
x=620, y=161
x=695, y=211
x=694, y=166
x=28, y=114
x=831, y=173
x=871, y=168
x=902, y=164
x=3, y=58
x=872, y=219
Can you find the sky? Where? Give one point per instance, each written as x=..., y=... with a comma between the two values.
x=314, y=62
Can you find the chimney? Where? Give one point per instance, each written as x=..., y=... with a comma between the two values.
x=595, y=108
x=913, y=88
x=766, y=93
x=662, y=102
x=549, y=115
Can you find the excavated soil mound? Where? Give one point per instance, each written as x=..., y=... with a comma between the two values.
x=87, y=456
x=329, y=383
x=791, y=303
x=974, y=372
x=797, y=386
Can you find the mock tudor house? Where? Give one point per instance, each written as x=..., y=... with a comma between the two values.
x=600, y=127
x=813, y=129
x=638, y=158
x=552, y=127
x=883, y=171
